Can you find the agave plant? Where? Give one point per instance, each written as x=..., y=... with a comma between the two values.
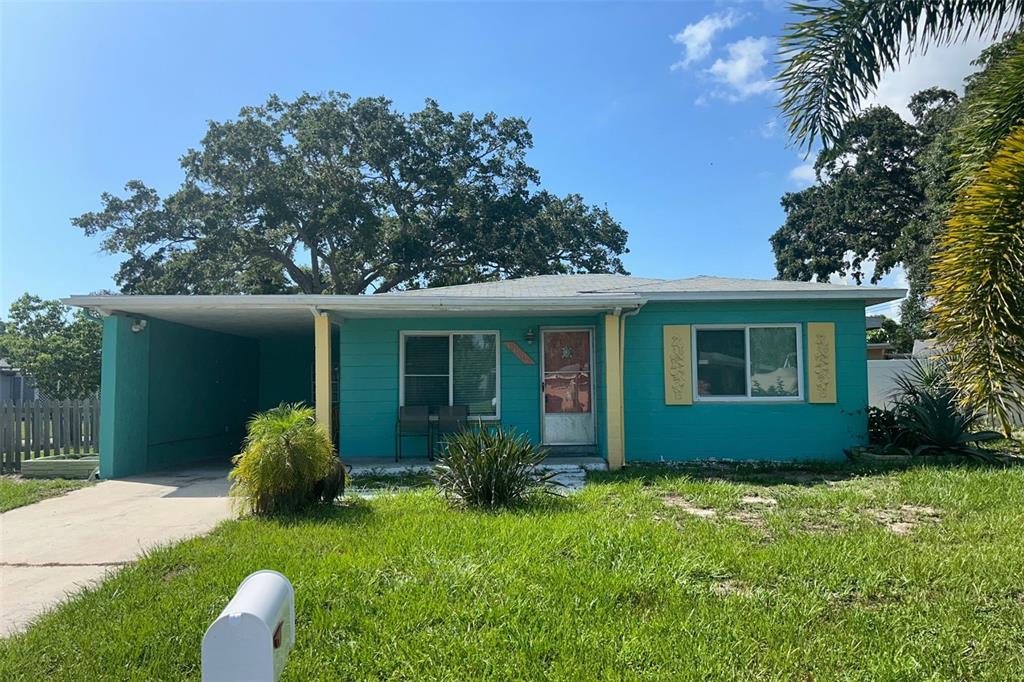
x=930, y=419
x=940, y=425
x=490, y=468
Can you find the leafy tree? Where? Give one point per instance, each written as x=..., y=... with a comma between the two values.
x=833, y=57
x=58, y=349
x=329, y=195
x=866, y=195
x=881, y=194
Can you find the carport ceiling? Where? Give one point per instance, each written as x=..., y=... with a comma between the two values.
x=281, y=315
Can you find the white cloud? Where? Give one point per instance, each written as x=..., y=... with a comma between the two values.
x=803, y=174
x=696, y=38
x=742, y=71
x=944, y=66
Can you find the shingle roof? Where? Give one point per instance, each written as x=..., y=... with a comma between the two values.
x=582, y=285
x=540, y=285
x=706, y=283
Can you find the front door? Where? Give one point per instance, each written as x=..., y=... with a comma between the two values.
x=568, y=391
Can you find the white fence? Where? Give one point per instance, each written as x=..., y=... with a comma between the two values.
x=882, y=379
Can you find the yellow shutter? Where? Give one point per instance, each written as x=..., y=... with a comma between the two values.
x=821, y=362
x=678, y=365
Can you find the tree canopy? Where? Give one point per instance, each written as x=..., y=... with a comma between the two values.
x=60, y=350
x=881, y=194
x=326, y=194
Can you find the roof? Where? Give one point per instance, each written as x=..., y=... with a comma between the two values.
x=702, y=287
x=539, y=285
x=544, y=294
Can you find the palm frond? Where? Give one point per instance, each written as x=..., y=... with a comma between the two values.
x=993, y=106
x=978, y=284
x=833, y=57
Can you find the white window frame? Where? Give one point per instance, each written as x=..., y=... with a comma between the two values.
x=450, y=333
x=798, y=398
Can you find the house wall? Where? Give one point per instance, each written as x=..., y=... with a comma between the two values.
x=202, y=389
x=172, y=394
x=286, y=370
x=369, y=367
x=737, y=430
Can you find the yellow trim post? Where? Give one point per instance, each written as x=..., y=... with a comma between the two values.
x=613, y=391
x=322, y=368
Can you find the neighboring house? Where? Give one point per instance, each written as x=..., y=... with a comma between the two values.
x=881, y=350
x=627, y=368
x=15, y=386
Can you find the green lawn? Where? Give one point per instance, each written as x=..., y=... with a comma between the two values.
x=690, y=573
x=17, y=492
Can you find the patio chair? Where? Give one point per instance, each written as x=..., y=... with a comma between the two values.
x=451, y=420
x=413, y=422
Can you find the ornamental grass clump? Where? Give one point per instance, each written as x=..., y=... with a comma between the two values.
x=490, y=468
x=288, y=463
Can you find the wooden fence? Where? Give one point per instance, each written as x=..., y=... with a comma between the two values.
x=47, y=427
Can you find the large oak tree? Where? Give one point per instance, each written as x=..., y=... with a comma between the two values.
x=326, y=194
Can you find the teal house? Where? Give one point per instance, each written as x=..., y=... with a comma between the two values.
x=629, y=369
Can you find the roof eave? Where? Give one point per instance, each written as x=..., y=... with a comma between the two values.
x=342, y=304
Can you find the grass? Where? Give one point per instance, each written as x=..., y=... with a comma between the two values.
x=17, y=492
x=684, y=573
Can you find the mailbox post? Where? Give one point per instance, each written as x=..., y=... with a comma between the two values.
x=251, y=638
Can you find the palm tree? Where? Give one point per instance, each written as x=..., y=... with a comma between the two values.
x=832, y=59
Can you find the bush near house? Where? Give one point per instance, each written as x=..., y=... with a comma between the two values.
x=490, y=467
x=928, y=418
x=288, y=463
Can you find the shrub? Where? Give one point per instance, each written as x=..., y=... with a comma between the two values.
x=941, y=426
x=490, y=468
x=882, y=426
x=928, y=418
x=287, y=463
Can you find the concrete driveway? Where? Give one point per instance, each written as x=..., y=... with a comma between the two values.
x=52, y=548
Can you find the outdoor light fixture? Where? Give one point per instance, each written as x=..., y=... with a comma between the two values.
x=138, y=325
x=529, y=335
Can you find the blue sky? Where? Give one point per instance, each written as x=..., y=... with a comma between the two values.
x=662, y=112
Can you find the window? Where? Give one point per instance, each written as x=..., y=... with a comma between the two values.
x=451, y=368
x=754, y=362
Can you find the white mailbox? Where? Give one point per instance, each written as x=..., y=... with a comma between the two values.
x=252, y=636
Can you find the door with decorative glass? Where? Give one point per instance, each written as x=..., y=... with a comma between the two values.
x=567, y=387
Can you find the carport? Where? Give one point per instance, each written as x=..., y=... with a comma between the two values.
x=183, y=374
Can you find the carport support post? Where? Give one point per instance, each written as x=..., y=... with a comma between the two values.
x=613, y=391
x=322, y=341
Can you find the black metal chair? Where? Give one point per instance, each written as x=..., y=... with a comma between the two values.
x=413, y=422
x=451, y=420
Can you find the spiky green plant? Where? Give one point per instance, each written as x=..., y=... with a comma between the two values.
x=930, y=420
x=832, y=59
x=287, y=463
x=490, y=468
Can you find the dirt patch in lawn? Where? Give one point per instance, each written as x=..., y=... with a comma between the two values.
x=904, y=520
x=732, y=588
x=685, y=506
